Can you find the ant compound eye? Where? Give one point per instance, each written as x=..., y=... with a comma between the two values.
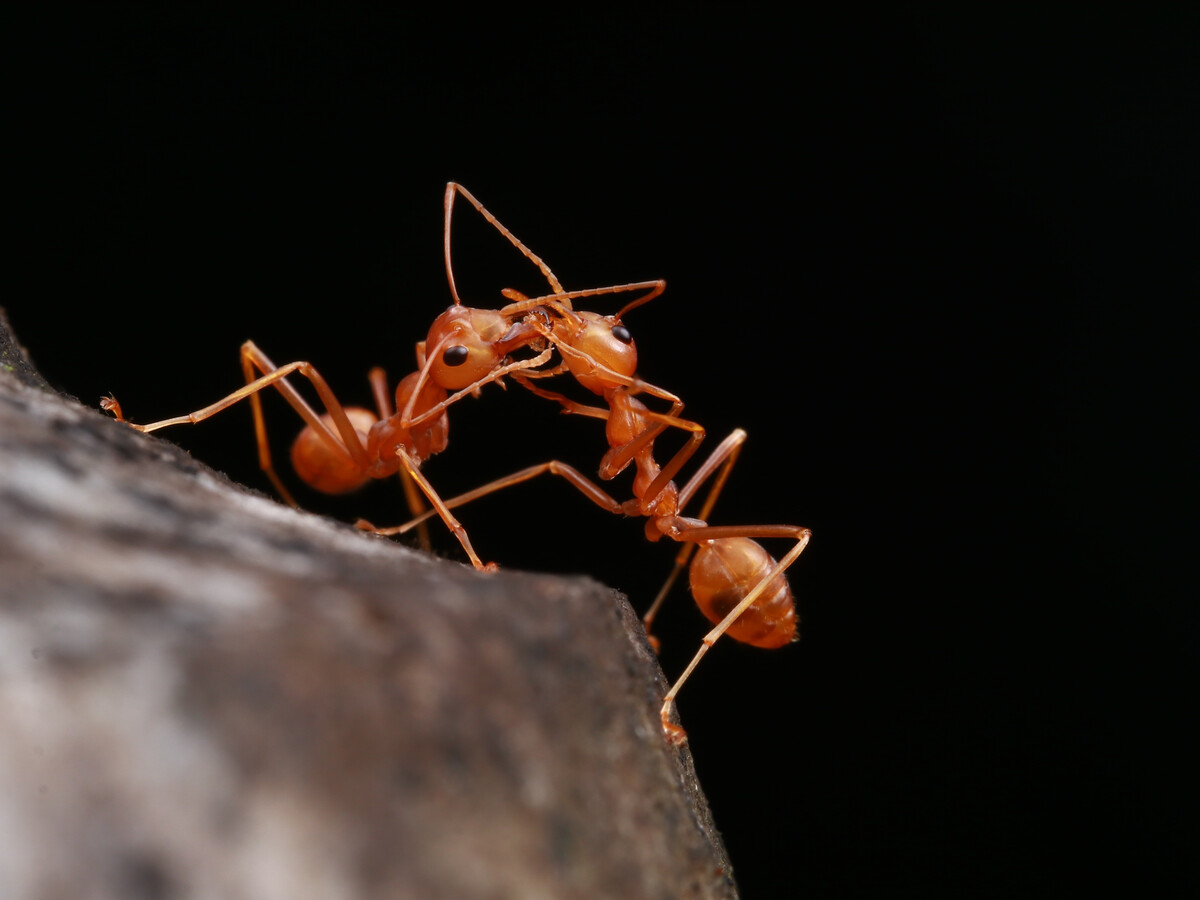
x=621, y=333
x=455, y=356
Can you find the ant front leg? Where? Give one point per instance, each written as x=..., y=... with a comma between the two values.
x=409, y=416
x=633, y=415
x=572, y=407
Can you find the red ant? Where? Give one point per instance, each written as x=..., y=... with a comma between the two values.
x=342, y=449
x=737, y=585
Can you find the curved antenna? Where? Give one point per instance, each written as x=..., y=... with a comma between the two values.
x=453, y=188
x=422, y=379
x=408, y=420
x=657, y=288
x=521, y=304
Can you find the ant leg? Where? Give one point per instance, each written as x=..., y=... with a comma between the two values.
x=572, y=476
x=408, y=419
x=633, y=384
x=451, y=190
x=724, y=456
x=569, y=406
x=348, y=445
x=412, y=495
x=439, y=508
x=701, y=533
x=442, y=507
x=379, y=391
x=260, y=432
x=346, y=442
x=617, y=458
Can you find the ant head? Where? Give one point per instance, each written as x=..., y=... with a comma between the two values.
x=464, y=344
x=600, y=341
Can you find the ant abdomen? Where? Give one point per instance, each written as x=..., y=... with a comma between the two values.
x=327, y=468
x=723, y=572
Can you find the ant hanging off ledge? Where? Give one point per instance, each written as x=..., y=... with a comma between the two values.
x=738, y=586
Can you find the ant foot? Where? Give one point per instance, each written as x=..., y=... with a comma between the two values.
x=490, y=567
x=110, y=404
x=364, y=525
x=655, y=643
x=674, y=734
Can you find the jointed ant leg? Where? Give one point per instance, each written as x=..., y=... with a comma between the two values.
x=380, y=392
x=633, y=384
x=723, y=456
x=260, y=434
x=412, y=495
x=347, y=440
x=802, y=536
x=574, y=407
x=439, y=508
x=408, y=419
x=572, y=475
x=618, y=457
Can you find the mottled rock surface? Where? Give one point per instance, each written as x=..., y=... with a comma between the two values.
x=204, y=693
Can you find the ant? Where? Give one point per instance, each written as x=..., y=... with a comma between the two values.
x=341, y=450
x=737, y=585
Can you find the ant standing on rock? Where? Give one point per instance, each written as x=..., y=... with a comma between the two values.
x=737, y=585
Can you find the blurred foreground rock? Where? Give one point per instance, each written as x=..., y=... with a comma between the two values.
x=205, y=694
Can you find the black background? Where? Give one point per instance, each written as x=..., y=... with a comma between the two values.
x=941, y=266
